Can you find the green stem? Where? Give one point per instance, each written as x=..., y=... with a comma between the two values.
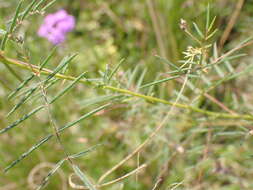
x=152, y=99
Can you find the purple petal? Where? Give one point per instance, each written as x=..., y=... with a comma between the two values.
x=55, y=26
x=61, y=14
x=67, y=24
x=50, y=20
x=56, y=37
x=43, y=31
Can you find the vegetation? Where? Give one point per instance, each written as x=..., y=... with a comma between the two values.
x=140, y=95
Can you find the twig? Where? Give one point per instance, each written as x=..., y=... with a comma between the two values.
x=157, y=183
x=73, y=185
x=156, y=25
x=219, y=104
x=231, y=23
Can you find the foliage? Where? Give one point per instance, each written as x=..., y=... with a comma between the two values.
x=163, y=87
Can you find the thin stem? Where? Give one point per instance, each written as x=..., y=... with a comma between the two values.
x=124, y=91
x=75, y=186
x=231, y=23
x=193, y=37
x=157, y=27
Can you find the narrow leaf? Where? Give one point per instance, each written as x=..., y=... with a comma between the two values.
x=20, y=86
x=159, y=81
x=133, y=75
x=50, y=174
x=28, y=9
x=36, y=7
x=83, y=117
x=105, y=75
x=43, y=64
x=13, y=23
x=99, y=99
x=63, y=63
x=208, y=16
x=22, y=101
x=212, y=34
x=58, y=165
x=48, y=5
x=48, y=137
x=140, y=80
x=67, y=88
x=229, y=67
x=83, y=178
x=198, y=30
x=115, y=69
x=84, y=152
x=211, y=25
x=26, y=116
x=25, y=154
x=167, y=62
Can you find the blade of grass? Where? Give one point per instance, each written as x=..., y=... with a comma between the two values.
x=83, y=178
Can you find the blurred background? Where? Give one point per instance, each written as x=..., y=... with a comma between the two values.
x=191, y=152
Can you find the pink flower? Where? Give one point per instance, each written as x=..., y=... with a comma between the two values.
x=56, y=26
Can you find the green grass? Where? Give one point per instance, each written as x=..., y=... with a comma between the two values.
x=126, y=88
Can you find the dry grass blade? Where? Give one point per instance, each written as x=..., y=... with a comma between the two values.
x=76, y=186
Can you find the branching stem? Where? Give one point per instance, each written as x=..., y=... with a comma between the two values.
x=151, y=99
